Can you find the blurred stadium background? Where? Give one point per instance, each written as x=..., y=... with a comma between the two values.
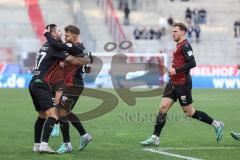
x=214, y=32
x=216, y=47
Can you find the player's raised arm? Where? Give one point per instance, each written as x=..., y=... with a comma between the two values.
x=56, y=44
x=69, y=47
x=53, y=41
x=189, y=57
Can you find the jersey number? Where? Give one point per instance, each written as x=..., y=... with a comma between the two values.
x=40, y=57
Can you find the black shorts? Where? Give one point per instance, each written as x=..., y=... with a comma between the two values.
x=42, y=95
x=73, y=94
x=182, y=93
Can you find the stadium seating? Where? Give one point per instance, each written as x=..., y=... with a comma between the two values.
x=216, y=42
x=36, y=18
x=22, y=23
x=14, y=23
x=57, y=11
x=217, y=39
x=95, y=20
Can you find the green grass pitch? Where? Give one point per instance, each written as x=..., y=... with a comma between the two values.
x=117, y=134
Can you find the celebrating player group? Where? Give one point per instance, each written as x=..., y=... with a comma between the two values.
x=58, y=72
x=57, y=84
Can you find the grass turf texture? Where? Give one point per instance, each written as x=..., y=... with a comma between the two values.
x=117, y=134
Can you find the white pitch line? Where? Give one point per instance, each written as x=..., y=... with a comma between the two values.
x=170, y=154
x=198, y=148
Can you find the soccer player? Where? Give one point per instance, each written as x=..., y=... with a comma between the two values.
x=179, y=88
x=42, y=96
x=74, y=83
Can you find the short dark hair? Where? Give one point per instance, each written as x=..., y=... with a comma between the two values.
x=182, y=26
x=72, y=29
x=52, y=27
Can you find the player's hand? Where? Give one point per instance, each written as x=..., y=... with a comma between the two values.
x=57, y=98
x=46, y=30
x=77, y=60
x=172, y=71
x=84, y=61
x=61, y=64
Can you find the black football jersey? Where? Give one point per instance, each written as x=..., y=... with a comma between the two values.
x=46, y=58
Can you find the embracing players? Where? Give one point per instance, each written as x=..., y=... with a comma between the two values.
x=74, y=85
x=42, y=95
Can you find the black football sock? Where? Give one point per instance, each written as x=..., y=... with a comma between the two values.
x=47, y=128
x=202, y=116
x=160, y=122
x=76, y=123
x=38, y=129
x=64, y=125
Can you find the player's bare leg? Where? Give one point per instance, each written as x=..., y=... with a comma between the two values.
x=160, y=122
x=190, y=111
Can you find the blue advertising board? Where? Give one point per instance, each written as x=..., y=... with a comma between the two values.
x=220, y=77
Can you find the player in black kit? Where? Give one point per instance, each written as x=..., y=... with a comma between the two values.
x=74, y=86
x=42, y=95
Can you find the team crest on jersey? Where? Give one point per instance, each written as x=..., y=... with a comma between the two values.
x=69, y=44
x=183, y=98
x=190, y=53
x=53, y=99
